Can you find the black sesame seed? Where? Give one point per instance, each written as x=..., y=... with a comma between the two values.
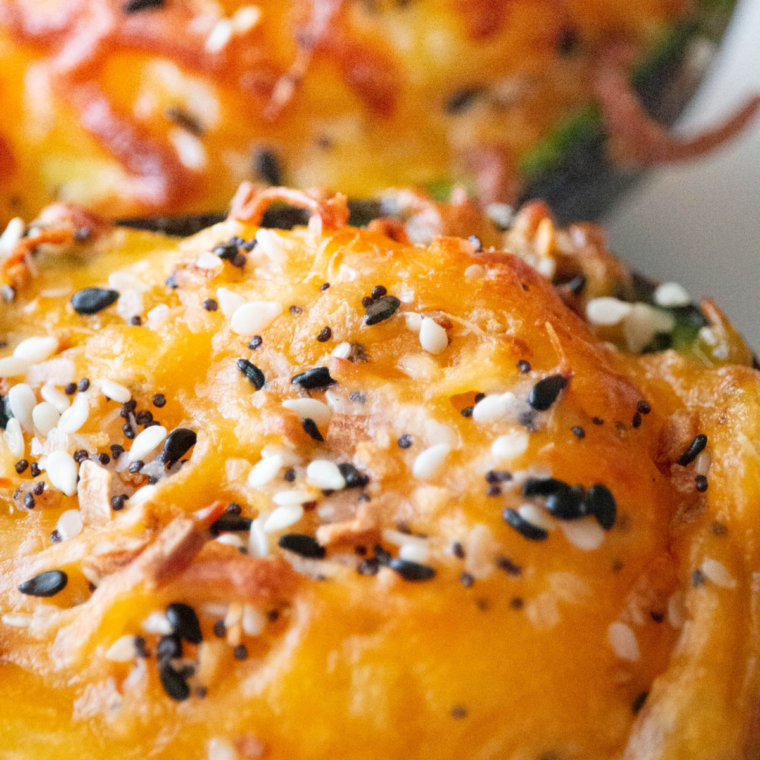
x=177, y=444
x=80, y=456
x=35, y=470
x=267, y=166
x=382, y=309
x=29, y=501
x=696, y=447
x=174, y=683
x=509, y=567
x=38, y=488
x=378, y=292
x=367, y=301
x=144, y=417
x=239, y=261
x=116, y=450
x=185, y=622
x=597, y=420
x=169, y=647
x=638, y=702
x=104, y=459
x=319, y=377
x=545, y=392
x=249, y=245
x=524, y=366
x=516, y=603
x=70, y=389
x=127, y=408
x=381, y=555
x=466, y=580
x=304, y=546
x=140, y=647
x=128, y=431
x=523, y=527
x=411, y=571
x=369, y=566
x=159, y=400
x=578, y=432
x=84, y=384
x=295, y=310
x=643, y=407
x=577, y=285
x=567, y=503
x=135, y=321
x=21, y=466
x=45, y=584
x=636, y=422
x=324, y=286
x=233, y=509
x=601, y=504
x=290, y=475
x=405, y=441
x=543, y=486
x=240, y=652
x=479, y=397
x=700, y=483
x=133, y=6
x=324, y=335
x=220, y=629
x=458, y=712
x=227, y=252
x=230, y=523
x=255, y=342
x=357, y=397
x=117, y=502
x=718, y=529
x=210, y=304
x=310, y=427
x=364, y=498
x=56, y=537
x=461, y=100
x=657, y=617
x=467, y=411
x=136, y=466
x=493, y=490
x=93, y=300
x=498, y=476
x=458, y=550
x=252, y=372
x=352, y=476
x=697, y=578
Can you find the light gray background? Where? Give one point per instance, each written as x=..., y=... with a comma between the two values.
x=699, y=222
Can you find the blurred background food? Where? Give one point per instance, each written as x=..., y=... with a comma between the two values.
x=164, y=106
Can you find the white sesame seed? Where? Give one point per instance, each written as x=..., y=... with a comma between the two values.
x=254, y=317
x=115, y=391
x=69, y=524
x=412, y=552
x=500, y=213
x=342, y=351
x=76, y=415
x=606, y=311
x=254, y=621
x=190, y=150
x=511, y=445
x=122, y=650
x=430, y=461
x=220, y=749
x=718, y=573
x=22, y=401
x=17, y=621
x=13, y=366
x=325, y=474
x=493, y=407
x=57, y=398
x=642, y=323
x=158, y=623
x=146, y=441
x=209, y=261
x=433, y=338
x=258, y=543
x=294, y=497
x=671, y=294
x=246, y=18
x=36, y=350
x=475, y=272
x=702, y=463
x=141, y=496
x=229, y=302
x=584, y=534
x=546, y=267
x=310, y=408
x=62, y=471
x=536, y=516
x=45, y=417
x=230, y=539
x=413, y=322
x=283, y=517
x=265, y=471
x=272, y=244
x=11, y=235
x=290, y=458
x=623, y=640
x=157, y=314
x=220, y=35
x=707, y=334
x=14, y=437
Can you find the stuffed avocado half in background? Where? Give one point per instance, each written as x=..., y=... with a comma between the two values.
x=164, y=106
x=388, y=492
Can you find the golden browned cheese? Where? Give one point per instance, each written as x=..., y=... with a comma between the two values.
x=441, y=613
x=144, y=106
